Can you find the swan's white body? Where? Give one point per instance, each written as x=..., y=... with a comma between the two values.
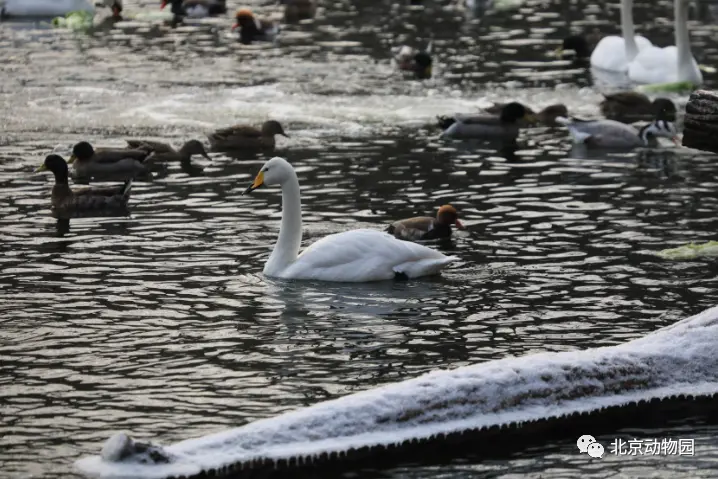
x=611, y=53
x=353, y=256
x=614, y=53
x=670, y=64
x=48, y=8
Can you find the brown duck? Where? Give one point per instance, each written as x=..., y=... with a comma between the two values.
x=632, y=106
x=426, y=227
x=84, y=202
x=164, y=153
x=245, y=137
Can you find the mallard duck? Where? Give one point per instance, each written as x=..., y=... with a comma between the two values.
x=183, y=156
x=89, y=201
x=631, y=106
x=196, y=8
x=614, y=134
x=505, y=126
x=252, y=29
x=426, y=227
x=419, y=62
x=120, y=162
x=245, y=137
x=296, y=10
x=546, y=117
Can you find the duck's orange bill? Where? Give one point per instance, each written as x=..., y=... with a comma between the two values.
x=676, y=140
x=164, y=4
x=460, y=225
x=236, y=25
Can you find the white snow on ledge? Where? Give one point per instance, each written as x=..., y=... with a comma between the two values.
x=678, y=359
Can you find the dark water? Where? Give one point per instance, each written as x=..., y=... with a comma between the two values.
x=162, y=323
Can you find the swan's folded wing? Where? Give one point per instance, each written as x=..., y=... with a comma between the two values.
x=365, y=255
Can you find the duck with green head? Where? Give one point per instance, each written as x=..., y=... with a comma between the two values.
x=82, y=202
x=114, y=162
x=487, y=126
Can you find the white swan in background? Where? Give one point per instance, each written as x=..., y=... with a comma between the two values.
x=614, y=53
x=51, y=8
x=670, y=64
x=353, y=256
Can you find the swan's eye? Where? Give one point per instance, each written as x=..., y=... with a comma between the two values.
x=266, y=168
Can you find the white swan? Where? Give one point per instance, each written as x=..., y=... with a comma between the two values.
x=352, y=256
x=51, y=8
x=670, y=64
x=614, y=53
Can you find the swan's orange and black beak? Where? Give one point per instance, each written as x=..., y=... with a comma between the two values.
x=164, y=4
x=258, y=181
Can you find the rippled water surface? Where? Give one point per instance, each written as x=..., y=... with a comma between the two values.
x=162, y=323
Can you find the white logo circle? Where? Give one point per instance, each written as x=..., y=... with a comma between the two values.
x=584, y=441
x=595, y=450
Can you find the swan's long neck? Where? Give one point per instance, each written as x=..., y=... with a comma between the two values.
x=686, y=70
x=627, y=30
x=290, y=232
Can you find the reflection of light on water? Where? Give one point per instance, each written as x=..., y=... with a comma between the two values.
x=362, y=300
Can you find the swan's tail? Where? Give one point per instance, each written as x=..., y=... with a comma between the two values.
x=424, y=267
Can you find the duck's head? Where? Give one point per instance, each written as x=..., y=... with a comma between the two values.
x=273, y=127
x=116, y=8
x=578, y=43
x=514, y=111
x=244, y=18
x=195, y=147
x=447, y=215
x=548, y=115
x=54, y=163
x=422, y=65
x=664, y=109
x=170, y=2
x=657, y=128
x=274, y=172
x=114, y=5
x=81, y=151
